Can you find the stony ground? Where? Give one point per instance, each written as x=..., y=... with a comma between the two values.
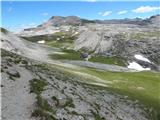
x=32, y=90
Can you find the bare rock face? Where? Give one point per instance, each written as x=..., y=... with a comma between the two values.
x=88, y=40
x=13, y=43
x=97, y=41
x=58, y=21
x=124, y=40
x=154, y=20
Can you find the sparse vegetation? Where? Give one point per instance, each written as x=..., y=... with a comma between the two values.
x=75, y=55
x=59, y=39
x=144, y=35
x=69, y=103
x=96, y=115
x=54, y=98
x=15, y=74
x=43, y=104
x=68, y=55
x=43, y=115
x=3, y=30
x=43, y=110
x=37, y=86
x=2, y=70
x=140, y=86
x=109, y=60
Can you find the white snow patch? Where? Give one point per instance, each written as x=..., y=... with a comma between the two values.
x=41, y=41
x=140, y=57
x=58, y=38
x=136, y=66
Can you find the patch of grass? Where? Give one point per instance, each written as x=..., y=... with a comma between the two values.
x=43, y=104
x=11, y=78
x=75, y=55
x=39, y=37
x=142, y=86
x=24, y=62
x=74, y=113
x=143, y=35
x=2, y=70
x=37, y=86
x=69, y=103
x=5, y=53
x=17, y=60
x=54, y=98
x=43, y=110
x=59, y=39
x=69, y=55
x=43, y=115
x=96, y=115
x=3, y=30
x=108, y=60
x=60, y=44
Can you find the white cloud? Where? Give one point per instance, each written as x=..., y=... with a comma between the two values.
x=106, y=13
x=122, y=12
x=45, y=14
x=144, y=9
x=10, y=9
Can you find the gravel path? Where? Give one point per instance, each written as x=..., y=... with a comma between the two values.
x=17, y=102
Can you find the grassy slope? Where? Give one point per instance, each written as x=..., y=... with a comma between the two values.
x=129, y=84
x=125, y=83
x=142, y=86
x=143, y=35
x=65, y=39
x=73, y=55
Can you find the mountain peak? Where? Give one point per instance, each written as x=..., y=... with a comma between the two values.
x=59, y=20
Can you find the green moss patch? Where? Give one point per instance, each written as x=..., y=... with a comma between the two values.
x=109, y=60
x=68, y=55
x=3, y=30
x=75, y=55
x=37, y=86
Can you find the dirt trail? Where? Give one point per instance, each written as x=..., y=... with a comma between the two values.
x=17, y=102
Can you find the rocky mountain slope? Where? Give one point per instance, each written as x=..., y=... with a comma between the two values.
x=36, y=87
x=123, y=38
x=23, y=47
x=18, y=45
x=124, y=41
x=32, y=90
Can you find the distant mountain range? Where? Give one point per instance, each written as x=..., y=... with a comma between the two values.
x=76, y=21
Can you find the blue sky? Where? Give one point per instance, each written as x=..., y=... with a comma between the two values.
x=23, y=14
